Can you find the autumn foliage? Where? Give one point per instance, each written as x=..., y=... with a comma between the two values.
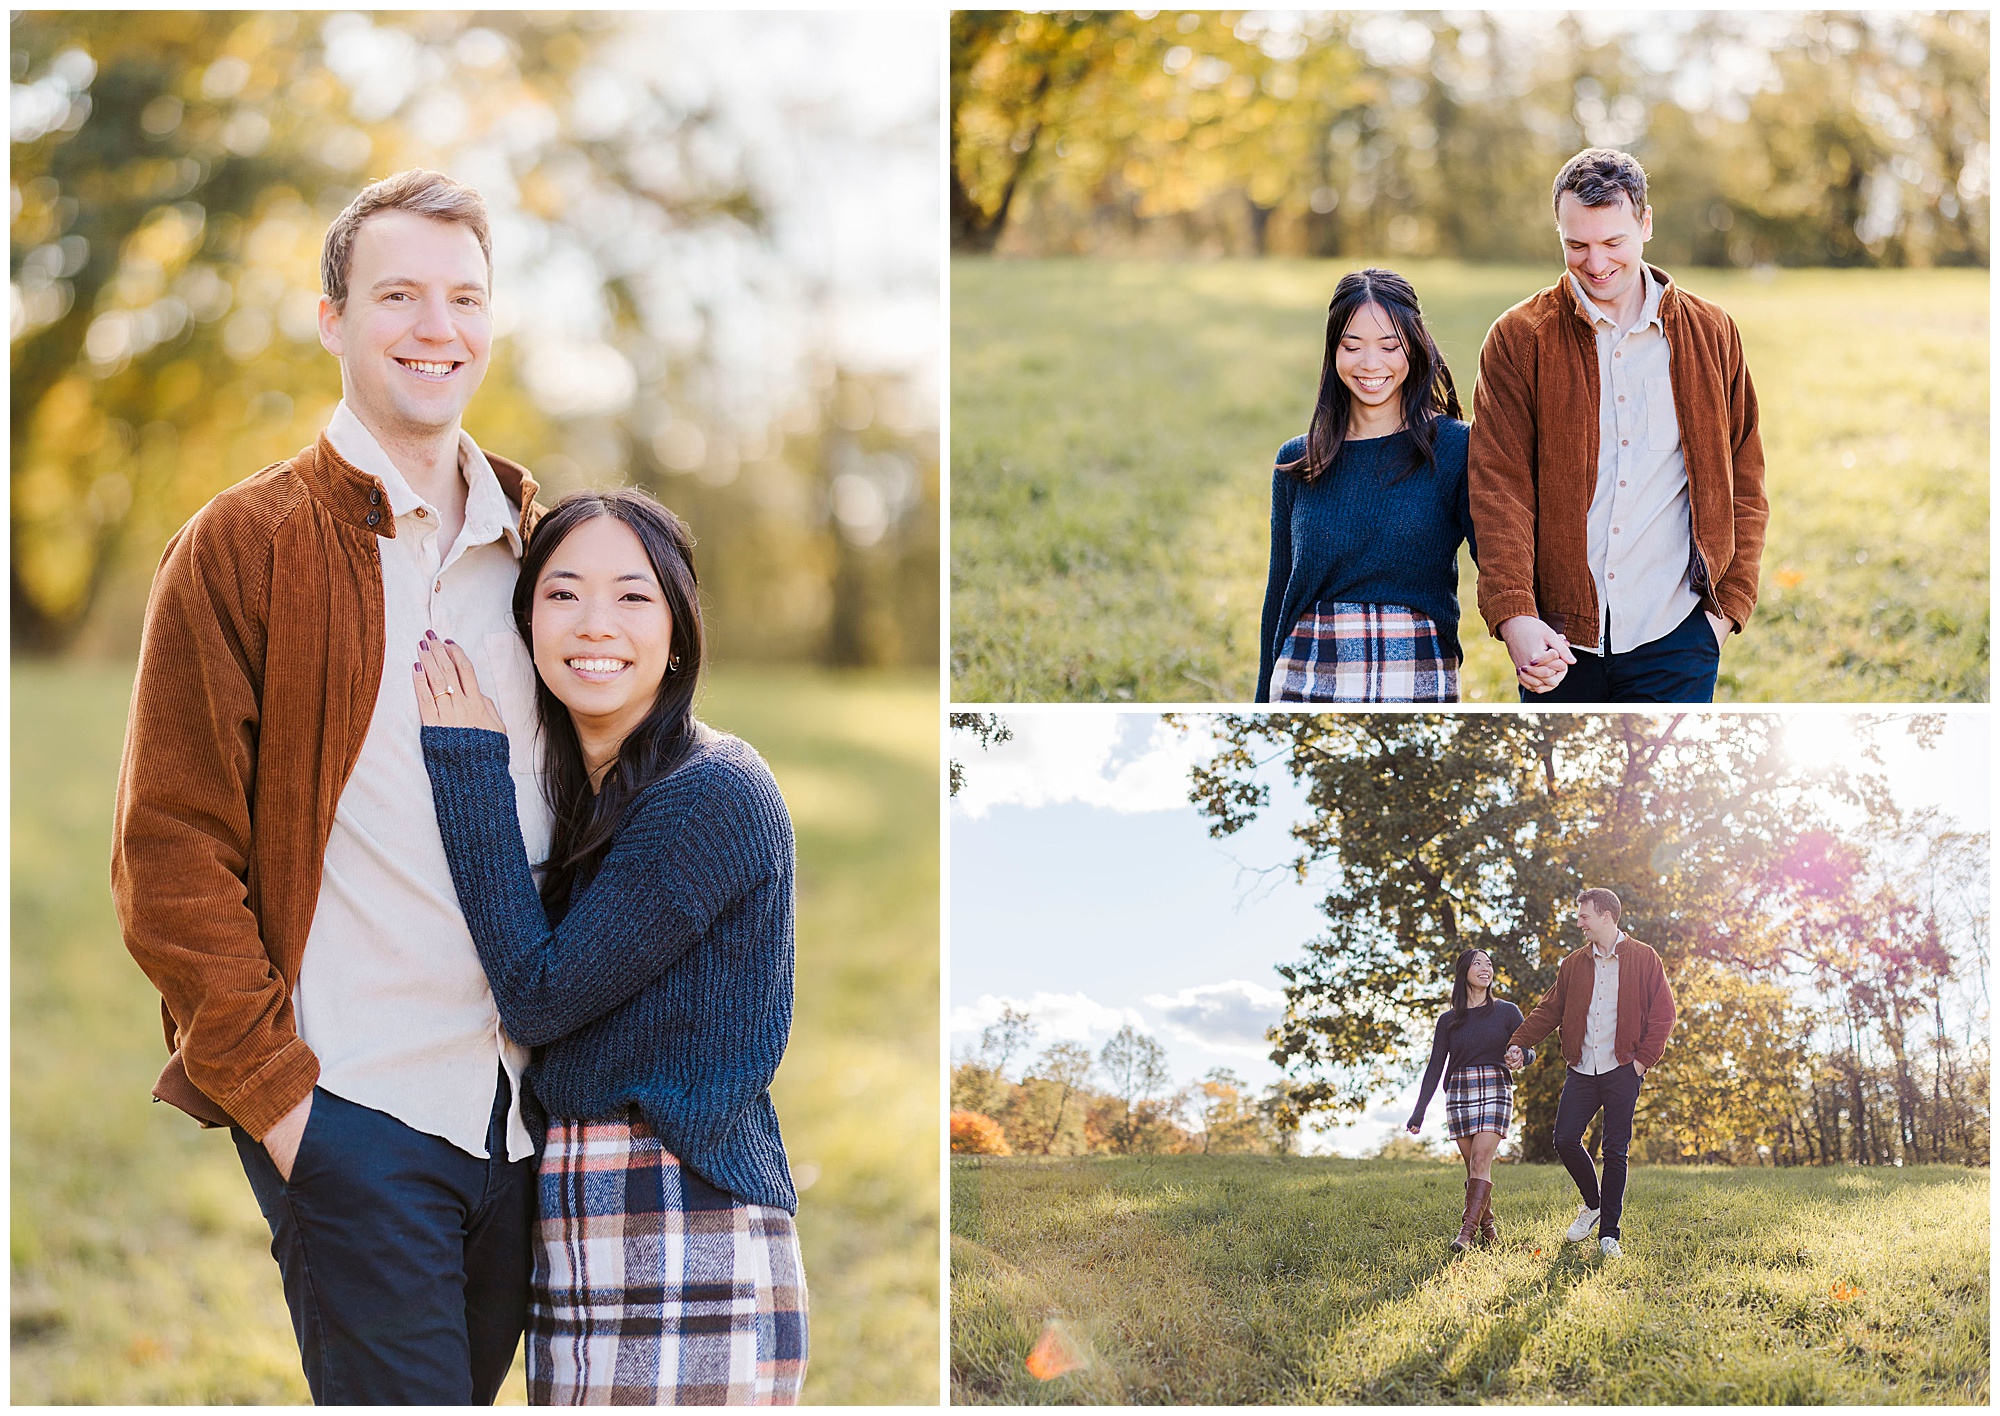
x=974, y=1134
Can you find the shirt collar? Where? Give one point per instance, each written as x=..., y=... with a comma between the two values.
x=1649, y=310
x=1612, y=952
x=488, y=515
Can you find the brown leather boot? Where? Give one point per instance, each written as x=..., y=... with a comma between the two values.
x=1476, y=1192
x=1489, y=1227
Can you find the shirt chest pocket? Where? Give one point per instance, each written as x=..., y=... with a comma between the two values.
x=1663, y=432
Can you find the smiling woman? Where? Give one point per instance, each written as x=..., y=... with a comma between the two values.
x=659, y=1000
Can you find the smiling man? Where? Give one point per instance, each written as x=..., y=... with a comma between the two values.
x=1615, y=469
x=277, y=864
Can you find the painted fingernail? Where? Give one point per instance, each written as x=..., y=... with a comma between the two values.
x=452, y=642
x=430, y=634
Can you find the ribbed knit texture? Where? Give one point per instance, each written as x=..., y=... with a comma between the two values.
x=1480, y=1041
x=668, y=984
x=1359, y=535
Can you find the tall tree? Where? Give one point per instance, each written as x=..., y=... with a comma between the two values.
x=1137, y=1068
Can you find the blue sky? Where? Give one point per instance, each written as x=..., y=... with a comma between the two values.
x=1086, y=888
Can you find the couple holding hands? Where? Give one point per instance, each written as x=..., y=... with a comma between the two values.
x=1610, y=484
x=1614, y=1009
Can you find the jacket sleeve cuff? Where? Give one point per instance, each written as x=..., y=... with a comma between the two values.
x=1506, y=606
x=273, y=1089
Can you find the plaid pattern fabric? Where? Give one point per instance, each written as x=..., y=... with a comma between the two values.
x=1341, y=652
x=1478, y=1098
x=653, y=1288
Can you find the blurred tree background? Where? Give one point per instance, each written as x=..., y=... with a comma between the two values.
x=1806, y=138
x=715, y=276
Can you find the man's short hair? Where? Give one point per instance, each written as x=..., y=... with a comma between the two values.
x=424, y=192
x=1598, y=175
x=1601, y=900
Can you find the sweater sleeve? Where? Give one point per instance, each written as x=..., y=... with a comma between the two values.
x=1515, y=1014
x=1440, y=1047
x=691, y=847
x=1283, y=488
x=1500, y=477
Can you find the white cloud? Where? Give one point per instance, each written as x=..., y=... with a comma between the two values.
x=1223, y=1017
x=1057, y=1017
x=1109, y=760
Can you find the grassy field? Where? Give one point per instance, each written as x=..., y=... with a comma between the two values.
x=141, y=1268
x=1113, y=427
x=1183, y=1279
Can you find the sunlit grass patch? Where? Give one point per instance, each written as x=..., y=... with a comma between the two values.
x=1263, y=1281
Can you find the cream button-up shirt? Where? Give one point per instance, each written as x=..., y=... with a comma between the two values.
x=1640, y=535
x=391, y=995
x=1600, y=1027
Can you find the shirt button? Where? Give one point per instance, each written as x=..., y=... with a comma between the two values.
x=420, y=513
x=1613, y=575
x=1621, y=481
x=1619, y=355
x=1614, y=530
x=1624, y=442
x=1621, y=399
x=439, y=587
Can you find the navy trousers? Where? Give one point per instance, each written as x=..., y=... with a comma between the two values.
x=405, y=1260
x=1616, y=1094
x=1679, y=668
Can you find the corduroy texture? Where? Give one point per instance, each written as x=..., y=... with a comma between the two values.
x=668, y=984
x=1480, y=1041
x=1533, y=462
x=1361, y=536
x=1645, y=1006
x=258, y=669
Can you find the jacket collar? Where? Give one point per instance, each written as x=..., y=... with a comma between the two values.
x=360, y=500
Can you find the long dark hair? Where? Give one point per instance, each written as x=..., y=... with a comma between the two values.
x=1428, y=392
x=586, y=820
x=1461, y=989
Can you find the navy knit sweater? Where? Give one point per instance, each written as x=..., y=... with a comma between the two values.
x=1359, y=535
x=1481, y=1040
x=668, y=983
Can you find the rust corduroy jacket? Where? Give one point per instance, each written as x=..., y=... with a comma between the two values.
x=258, y=671
x=1645, y=1006
x=1532, y=463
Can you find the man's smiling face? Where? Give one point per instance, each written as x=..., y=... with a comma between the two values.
x=1604, y=246
x=414, y=336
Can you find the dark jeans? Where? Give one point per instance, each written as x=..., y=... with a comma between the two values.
x=1615, y=1093
x=1679, y=668
x=405, y=1260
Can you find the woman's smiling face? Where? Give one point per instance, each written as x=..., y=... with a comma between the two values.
x=602, y=631
x=1371, y=359
x=1479, y=973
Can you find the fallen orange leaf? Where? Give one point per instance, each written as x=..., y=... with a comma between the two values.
x=1789, y=578
x=1054, y=1354
x=1842, y=1292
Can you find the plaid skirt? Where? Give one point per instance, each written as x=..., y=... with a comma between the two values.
x=1340, y=652
x=653, y=1288
x=1478, y=1098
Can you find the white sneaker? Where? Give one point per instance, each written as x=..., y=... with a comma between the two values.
x=1586, y=1220
x=1609, y=1248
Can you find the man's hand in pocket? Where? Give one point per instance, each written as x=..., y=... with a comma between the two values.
x=281, y=1142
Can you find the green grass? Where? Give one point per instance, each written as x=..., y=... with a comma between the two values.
x=141, y=1268
x=1263, y=1281
x=1114, y=422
